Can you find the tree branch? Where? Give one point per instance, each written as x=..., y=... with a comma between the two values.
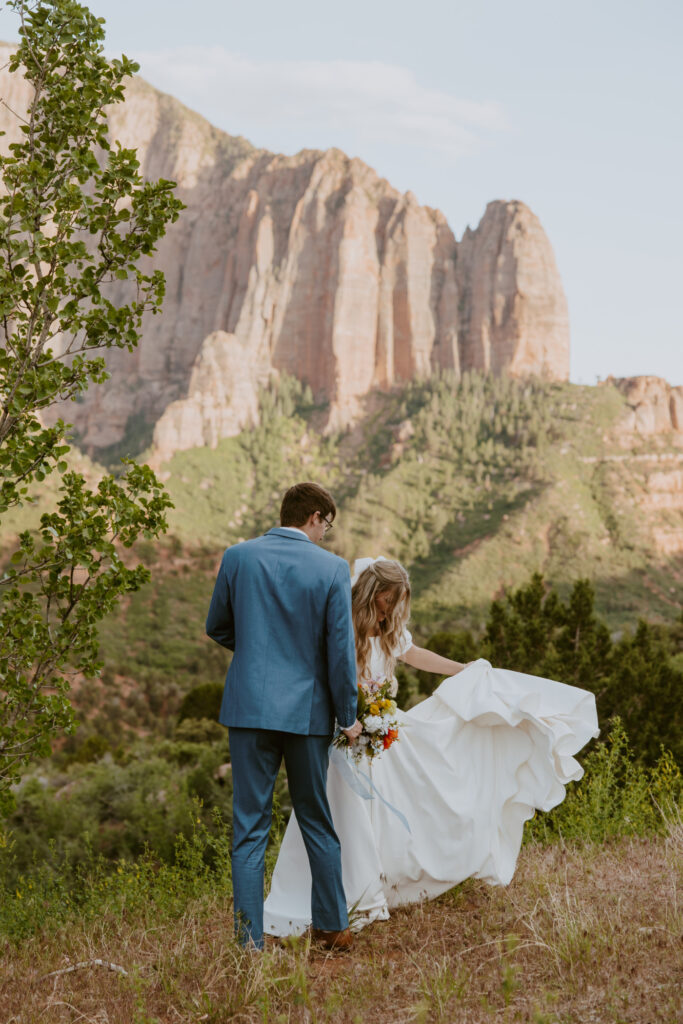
x=96, y=962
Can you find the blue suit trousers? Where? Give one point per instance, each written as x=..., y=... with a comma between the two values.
x=256, y=756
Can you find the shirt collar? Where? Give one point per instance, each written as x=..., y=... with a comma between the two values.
x=291, y=531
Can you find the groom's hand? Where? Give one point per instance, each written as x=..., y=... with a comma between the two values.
x=355, y=730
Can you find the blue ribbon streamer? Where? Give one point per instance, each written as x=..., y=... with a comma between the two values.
x=339, y=760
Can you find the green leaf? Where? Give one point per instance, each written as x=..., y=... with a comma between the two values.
x=62, y=181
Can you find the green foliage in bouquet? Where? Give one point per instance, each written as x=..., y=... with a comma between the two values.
x=75, y=216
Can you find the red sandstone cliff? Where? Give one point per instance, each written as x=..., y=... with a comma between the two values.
x=315, y=265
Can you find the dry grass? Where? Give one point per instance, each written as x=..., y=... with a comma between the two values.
x=583, y=935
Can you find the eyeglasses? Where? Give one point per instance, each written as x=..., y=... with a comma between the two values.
x=328, y=523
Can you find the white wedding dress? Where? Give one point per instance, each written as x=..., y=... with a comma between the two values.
x=448, y=801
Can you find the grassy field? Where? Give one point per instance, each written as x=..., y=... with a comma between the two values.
x=583, y=934
x=589, y=930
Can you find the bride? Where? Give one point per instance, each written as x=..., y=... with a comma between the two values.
x=448, y=801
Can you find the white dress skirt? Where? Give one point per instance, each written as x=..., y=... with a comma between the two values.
x=448, y=801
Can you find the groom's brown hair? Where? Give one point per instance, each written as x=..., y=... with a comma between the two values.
x=302, y=500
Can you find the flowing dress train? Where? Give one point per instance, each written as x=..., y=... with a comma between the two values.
x=448, y=801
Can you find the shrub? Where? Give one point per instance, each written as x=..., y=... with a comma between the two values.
x=637, y=679
x=618, y=796
x=203, y=701
x=142, y=889
x=92, y=749
x=116, y=811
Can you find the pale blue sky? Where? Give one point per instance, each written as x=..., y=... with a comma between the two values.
x=573, y=107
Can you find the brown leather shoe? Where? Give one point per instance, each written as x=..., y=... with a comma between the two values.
x=341, y=942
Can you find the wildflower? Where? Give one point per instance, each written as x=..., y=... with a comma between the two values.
x=373, y=723
x=377, y=714
x=389, y=738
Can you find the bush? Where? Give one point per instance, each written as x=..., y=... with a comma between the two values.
x=407, y=693
x=618, y=796
x=92, y=749
x=202, y=701
x=199, y=730
x=115, y=811
x=144, y=889
x=644, y=688
x=637, y=679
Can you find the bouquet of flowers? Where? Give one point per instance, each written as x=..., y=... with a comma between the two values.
x=377, y=715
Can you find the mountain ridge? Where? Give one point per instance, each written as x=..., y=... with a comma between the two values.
x=315, y=266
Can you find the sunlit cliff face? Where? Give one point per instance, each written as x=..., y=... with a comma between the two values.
x=314, y=265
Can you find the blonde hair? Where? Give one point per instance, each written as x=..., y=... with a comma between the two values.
x=382, y=577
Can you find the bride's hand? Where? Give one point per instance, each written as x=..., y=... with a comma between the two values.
x=355, y=731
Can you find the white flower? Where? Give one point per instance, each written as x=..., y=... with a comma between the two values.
x=373, y=723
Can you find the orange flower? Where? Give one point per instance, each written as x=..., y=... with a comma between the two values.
x=390, y=737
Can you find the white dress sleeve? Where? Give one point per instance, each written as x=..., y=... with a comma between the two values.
x=405, y=642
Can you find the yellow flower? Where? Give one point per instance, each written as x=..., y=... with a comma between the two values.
x=374, y=710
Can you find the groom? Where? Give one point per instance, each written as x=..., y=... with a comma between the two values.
x=283, y=605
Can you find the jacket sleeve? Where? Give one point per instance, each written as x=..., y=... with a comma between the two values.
x=341, y=649
x=220, y=622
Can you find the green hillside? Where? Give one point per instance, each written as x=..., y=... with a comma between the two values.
x=472, y=484
x=497, y=479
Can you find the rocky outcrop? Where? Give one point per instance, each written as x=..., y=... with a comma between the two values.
x=513, y=312
x=222, y=399
x=654, y=410
x=653, y=405
x=314, y=265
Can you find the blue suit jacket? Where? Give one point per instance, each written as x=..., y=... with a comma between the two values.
x=283, y=605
